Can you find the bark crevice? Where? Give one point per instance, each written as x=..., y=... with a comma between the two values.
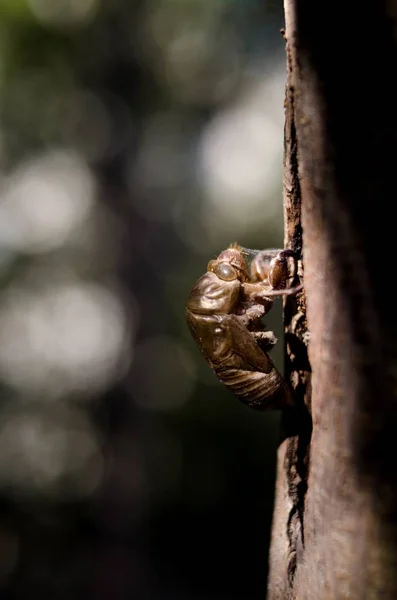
x=294, y=451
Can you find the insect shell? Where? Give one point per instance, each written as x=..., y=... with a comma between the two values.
x=224, y=312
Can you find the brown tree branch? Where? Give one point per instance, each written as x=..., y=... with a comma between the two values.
x=341, y=103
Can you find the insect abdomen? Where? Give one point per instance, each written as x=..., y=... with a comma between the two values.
x=257, y=390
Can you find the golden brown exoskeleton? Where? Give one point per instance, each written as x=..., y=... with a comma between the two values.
x=224, y=312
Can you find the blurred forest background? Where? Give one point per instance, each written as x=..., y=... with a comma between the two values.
x=138, y=138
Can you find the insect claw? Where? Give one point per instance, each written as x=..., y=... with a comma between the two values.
x=284, y=292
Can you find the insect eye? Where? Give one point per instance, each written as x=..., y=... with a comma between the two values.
x=225, y=271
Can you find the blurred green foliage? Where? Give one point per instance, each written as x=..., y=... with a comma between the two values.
x=137, y=139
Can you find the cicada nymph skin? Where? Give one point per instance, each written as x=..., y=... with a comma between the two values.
x=224, y=312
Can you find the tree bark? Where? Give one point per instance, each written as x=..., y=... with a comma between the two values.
x=335, y=520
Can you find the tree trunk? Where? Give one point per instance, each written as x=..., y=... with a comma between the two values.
x=335, y=521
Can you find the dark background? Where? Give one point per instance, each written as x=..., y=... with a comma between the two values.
x=137, y=139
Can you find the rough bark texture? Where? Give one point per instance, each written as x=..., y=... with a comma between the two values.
x=293, y=453
x=340, y=101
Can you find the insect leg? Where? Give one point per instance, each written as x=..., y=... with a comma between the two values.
x=265, y=339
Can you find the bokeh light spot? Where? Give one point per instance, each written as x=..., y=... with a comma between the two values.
x=49, y=453
x=66, y=338
x=63, y=12
x=44, y=200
